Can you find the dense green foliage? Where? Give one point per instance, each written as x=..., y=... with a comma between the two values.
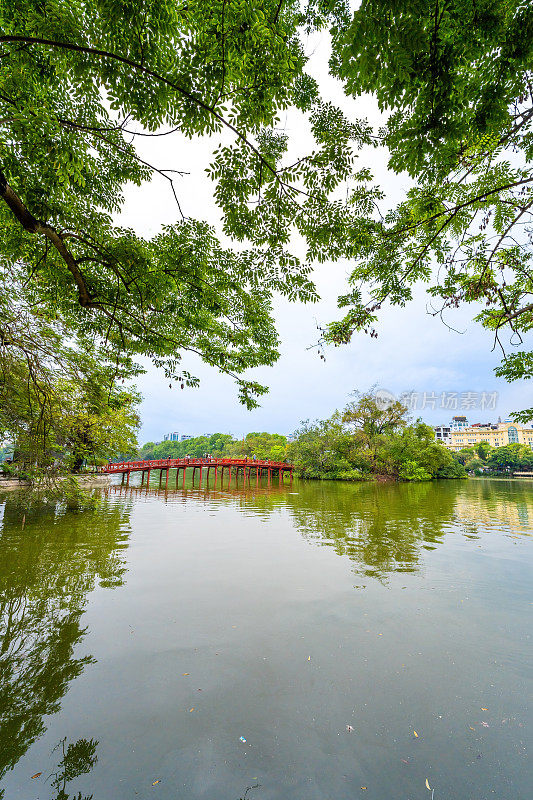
x=63, y=404
x=366, y=440
x=261, y=445
x=80, y=84
x=456, y=80
x=483, y=458
x=511, y=456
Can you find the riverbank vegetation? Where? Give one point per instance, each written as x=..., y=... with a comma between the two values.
x=484, y=459
x=265, y=446
x=366, y=441
x=64, y=404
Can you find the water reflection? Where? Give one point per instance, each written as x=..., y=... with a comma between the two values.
x=77, y=759
x=382, y=527
x=51, y=559
x=504, y=505
x=246, y=625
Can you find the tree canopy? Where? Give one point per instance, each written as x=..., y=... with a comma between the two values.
x=80, y=84
x=63, y=401
x=367, y=439
x=456, y=81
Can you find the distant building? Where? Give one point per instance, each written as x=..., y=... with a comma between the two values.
x=185, y=437
x=442, y=433
x=497, y=435
x=171, y=437
x=458, y=423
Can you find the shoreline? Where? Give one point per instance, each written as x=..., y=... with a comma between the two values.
x=85, y=481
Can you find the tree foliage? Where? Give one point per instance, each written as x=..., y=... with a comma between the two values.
x=81, y=84
x=456, y=80
x=261, y=445
x=367, y=439
x=510, y=457
x=63, y=401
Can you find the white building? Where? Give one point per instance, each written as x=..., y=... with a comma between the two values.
x=442, y=433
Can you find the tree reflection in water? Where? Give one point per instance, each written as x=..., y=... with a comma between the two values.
x=47, y=569
x=77, y=759
x=382, y=527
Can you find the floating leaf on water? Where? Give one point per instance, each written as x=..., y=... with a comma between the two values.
x=405, y=761
x=156, y=782
x=191, y=709
x=471, y=728
x=36, y=775
x=185, y=673
x=364, y=788
x=485, y=724
x=309, y=658
x=427, y=785
x=484, y=709
x=416, y=734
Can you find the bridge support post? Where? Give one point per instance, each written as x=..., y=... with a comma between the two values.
x=128, y=480
x=148, y=479
x=122, y=481
x=142, y=478
x=184, y=471
x=166, y=482
x=200, y=478
x=216, y=476
x=229, y=484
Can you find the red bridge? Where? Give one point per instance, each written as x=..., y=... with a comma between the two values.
x=247, y=466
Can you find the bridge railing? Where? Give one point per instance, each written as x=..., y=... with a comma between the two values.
x=172, y=463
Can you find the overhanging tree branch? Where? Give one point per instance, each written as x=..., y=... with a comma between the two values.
x=33, y=225
x=94, y=51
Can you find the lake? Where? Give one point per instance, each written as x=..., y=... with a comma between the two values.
x=313, y=641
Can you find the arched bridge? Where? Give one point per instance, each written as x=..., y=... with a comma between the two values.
x=210, y=466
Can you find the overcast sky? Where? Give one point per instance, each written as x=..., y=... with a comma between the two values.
x=414, y=351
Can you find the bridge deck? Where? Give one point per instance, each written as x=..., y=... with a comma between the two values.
x=231, y=466
x=183, y=463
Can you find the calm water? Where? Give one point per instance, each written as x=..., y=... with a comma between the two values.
x=142, y=640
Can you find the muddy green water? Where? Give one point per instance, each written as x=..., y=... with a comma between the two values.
x=218, y=644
